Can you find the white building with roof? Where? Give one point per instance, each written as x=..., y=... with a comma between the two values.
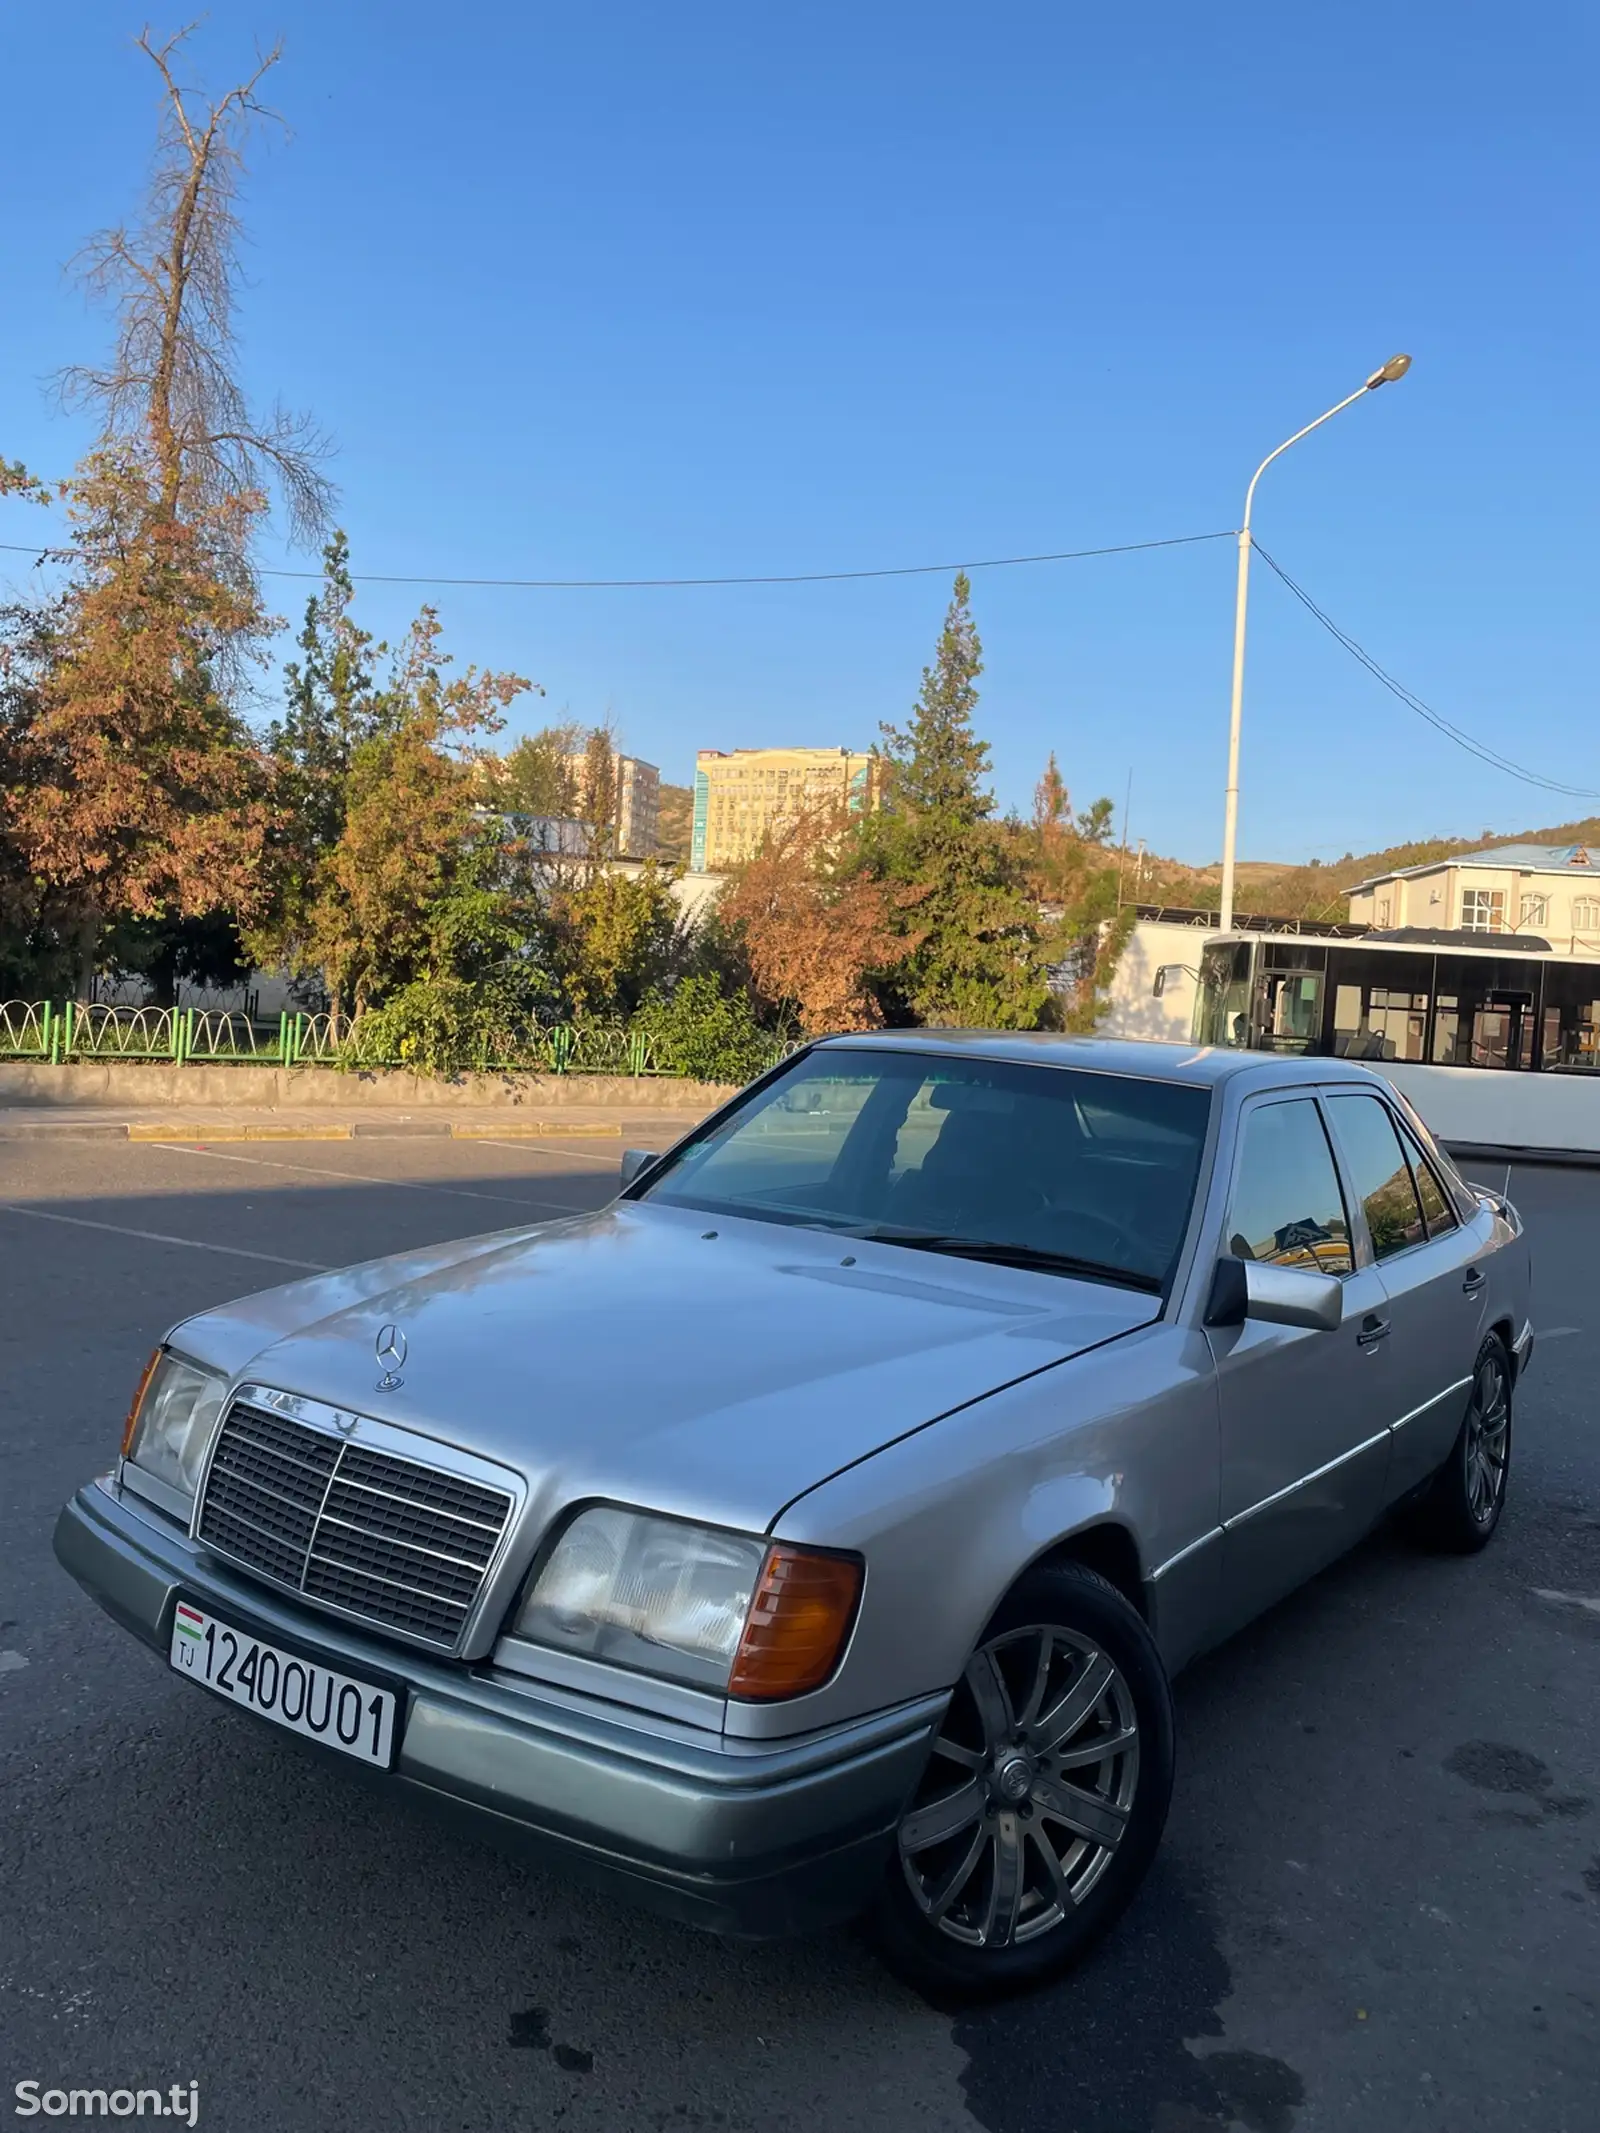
x=1550, y=891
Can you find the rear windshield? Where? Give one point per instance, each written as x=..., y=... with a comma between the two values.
x=1035, y=1164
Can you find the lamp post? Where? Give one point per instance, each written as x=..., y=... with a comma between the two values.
x=1394, y=369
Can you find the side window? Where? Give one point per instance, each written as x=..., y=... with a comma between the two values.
x=1381, y=1174
x=1436, y=1207
x=1287, y=1208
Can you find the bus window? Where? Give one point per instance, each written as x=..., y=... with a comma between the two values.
x=1291, y=1011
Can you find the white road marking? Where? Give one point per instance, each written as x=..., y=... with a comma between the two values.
x=1569, y=1599
x=361, y=1177
x=523, y=1148
x=155, y=1236
x=1554, y=1333
x=11, y=1662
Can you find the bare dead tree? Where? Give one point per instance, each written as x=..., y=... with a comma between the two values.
x=171, y=388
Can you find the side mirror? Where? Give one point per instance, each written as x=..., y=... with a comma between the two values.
x=1277, y=1295
x=1168, y=974
x=635, y=1162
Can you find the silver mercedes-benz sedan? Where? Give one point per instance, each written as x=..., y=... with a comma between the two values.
x=815, y=1530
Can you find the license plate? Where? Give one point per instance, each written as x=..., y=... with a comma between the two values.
x=306, y=1697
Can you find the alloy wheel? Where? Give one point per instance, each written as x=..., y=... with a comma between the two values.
x=1028, y=1790
x=1488, y=1431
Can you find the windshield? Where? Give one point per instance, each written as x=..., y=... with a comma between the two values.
x=1049, y=1167
x=1222, y=1003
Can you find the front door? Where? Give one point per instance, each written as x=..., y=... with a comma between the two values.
x=1436, y=1294
x=1304, y=1415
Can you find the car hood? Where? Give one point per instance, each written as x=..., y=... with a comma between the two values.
x=698, y=1364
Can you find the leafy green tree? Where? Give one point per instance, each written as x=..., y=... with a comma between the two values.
x=333, y=707
x=974, y=951
x=482, y=982
x=411, y=826
x=597, y=792
x=937, y=763
x=614, y=936
x=535, y=777
x=1095, y=823
x=171, y=952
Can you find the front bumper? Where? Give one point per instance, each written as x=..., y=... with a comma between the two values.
x=756, y=1839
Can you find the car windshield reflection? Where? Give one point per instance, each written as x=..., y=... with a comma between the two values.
x=1057, y=1169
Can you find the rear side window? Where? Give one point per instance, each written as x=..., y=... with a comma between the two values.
x=1287, y=1208
x=1380, y=1171
x=1436, y=1207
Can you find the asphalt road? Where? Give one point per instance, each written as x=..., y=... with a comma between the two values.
x=1378, y=1906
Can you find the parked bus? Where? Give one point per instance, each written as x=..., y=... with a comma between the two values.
x=1431, y=998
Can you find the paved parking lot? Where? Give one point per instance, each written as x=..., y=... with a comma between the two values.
x=1378, y=1906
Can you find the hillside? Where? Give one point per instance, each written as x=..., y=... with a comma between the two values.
x=675, y=822
x=1317, y=890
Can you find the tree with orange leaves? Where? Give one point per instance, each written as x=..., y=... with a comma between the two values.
x=815, y=934
x=140, y=794
x=135, y=790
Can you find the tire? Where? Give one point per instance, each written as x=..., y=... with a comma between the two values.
x=1460, y=1508
x=1022, y=1845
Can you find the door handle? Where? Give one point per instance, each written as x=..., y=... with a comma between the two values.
x=1373, y=1330
x=1474, y=1281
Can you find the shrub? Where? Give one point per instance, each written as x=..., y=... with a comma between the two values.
x=440, y=1025
x=706, y=1034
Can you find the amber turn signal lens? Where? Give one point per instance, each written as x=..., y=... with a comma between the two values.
x=140, y=1390
x=798, y=1621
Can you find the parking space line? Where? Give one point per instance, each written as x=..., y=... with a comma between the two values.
x=361, y=1177
x=155, y=1236
x=586, y=1155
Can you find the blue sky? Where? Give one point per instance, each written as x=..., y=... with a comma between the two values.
x=628, y=290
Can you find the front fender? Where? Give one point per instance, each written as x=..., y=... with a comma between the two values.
x=950, y=1517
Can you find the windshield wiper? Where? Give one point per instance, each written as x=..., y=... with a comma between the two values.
x=1018, y=1255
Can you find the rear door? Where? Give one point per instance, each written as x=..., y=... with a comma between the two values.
x=1427, y=1259
x=1304, y=1416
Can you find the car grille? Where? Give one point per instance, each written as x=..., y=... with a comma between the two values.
x=399, y=1543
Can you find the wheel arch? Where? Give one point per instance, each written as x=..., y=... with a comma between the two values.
x=1107, y=1546
x=1508, y=1334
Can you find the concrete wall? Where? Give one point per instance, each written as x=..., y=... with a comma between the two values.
x=153, y=1085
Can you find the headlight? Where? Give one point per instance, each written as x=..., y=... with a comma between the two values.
x=722, y=1611
x=170, y=1422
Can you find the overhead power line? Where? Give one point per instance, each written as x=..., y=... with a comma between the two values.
x=1413, y=702
x=797, y=577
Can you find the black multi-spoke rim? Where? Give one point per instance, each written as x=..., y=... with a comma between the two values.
x=1488, y=1439
x=1028, y=1791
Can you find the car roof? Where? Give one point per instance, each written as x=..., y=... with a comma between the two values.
x=1198, y=1065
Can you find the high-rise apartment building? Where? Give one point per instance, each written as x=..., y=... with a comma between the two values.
x=741, y=794
x=638, y=807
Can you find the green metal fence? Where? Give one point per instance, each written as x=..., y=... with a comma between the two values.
x=56, y=1032
x=69, y=1030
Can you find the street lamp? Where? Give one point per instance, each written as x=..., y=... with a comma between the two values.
x=1388, y=374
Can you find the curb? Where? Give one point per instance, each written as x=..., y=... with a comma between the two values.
x=399, y=1129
